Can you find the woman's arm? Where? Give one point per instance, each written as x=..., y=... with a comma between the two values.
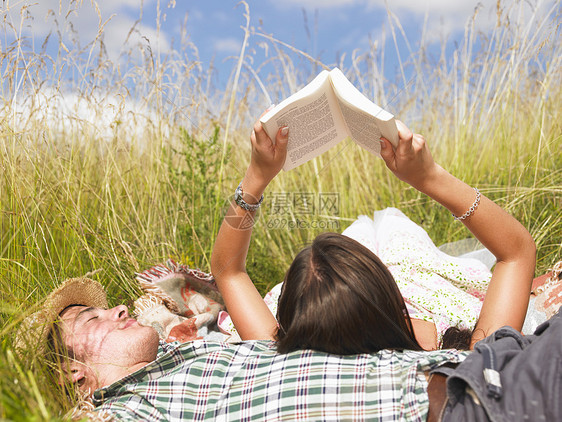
x=251, y=316
x=507, y=296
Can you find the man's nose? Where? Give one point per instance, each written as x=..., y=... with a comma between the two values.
x=119, y=312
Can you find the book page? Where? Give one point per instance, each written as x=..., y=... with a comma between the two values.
x=362, y=127
x=366, y=121
x=315, y=124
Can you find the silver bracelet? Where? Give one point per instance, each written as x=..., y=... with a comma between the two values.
x=238, y=193
x=472, y=208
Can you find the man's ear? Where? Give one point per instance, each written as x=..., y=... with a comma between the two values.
x=73, y=371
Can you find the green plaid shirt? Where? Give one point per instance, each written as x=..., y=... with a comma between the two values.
x=214, y=381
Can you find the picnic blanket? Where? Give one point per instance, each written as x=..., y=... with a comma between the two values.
x=180, y=303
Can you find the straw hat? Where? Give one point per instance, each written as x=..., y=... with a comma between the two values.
x=35, y=329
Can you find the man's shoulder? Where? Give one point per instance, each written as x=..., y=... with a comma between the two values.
x=215, y=354
x=267, y=349
x=194, y=352
x=220, y=377
x=197, y=348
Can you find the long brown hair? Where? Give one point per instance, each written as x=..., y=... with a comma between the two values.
x=338, y=297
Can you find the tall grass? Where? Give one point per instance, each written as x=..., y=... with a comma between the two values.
x=128, y=162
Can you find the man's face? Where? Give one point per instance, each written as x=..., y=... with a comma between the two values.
x=108, y=342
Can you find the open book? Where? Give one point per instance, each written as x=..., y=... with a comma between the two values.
x=325, y=112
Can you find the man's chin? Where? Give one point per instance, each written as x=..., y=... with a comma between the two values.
x=142, y=344
x=153, y=341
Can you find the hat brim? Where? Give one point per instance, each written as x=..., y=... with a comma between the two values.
x=35, y=329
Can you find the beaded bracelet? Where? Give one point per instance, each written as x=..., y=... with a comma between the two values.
x=472, y=208
x=243, y=204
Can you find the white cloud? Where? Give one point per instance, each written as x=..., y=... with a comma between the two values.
x=118, y=4
x=81, y=20
x=319, y=4
x=447, y=17
x=447, y=13
x=445, y=7
x=118, y=35
x=103, y=117
x=228, y=45
x=444, y=17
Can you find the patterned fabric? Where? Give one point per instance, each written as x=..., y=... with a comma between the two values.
x=437, y=287
x=180, y=303
x=250, y=381
x=225, y=324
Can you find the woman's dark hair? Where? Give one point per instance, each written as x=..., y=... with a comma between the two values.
x=460, y=338
x=456, y=338
x=338, y=297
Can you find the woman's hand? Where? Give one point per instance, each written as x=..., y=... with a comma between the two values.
x=411, y=161
x=268, y=157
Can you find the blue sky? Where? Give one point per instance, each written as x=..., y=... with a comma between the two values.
x=326, y=29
